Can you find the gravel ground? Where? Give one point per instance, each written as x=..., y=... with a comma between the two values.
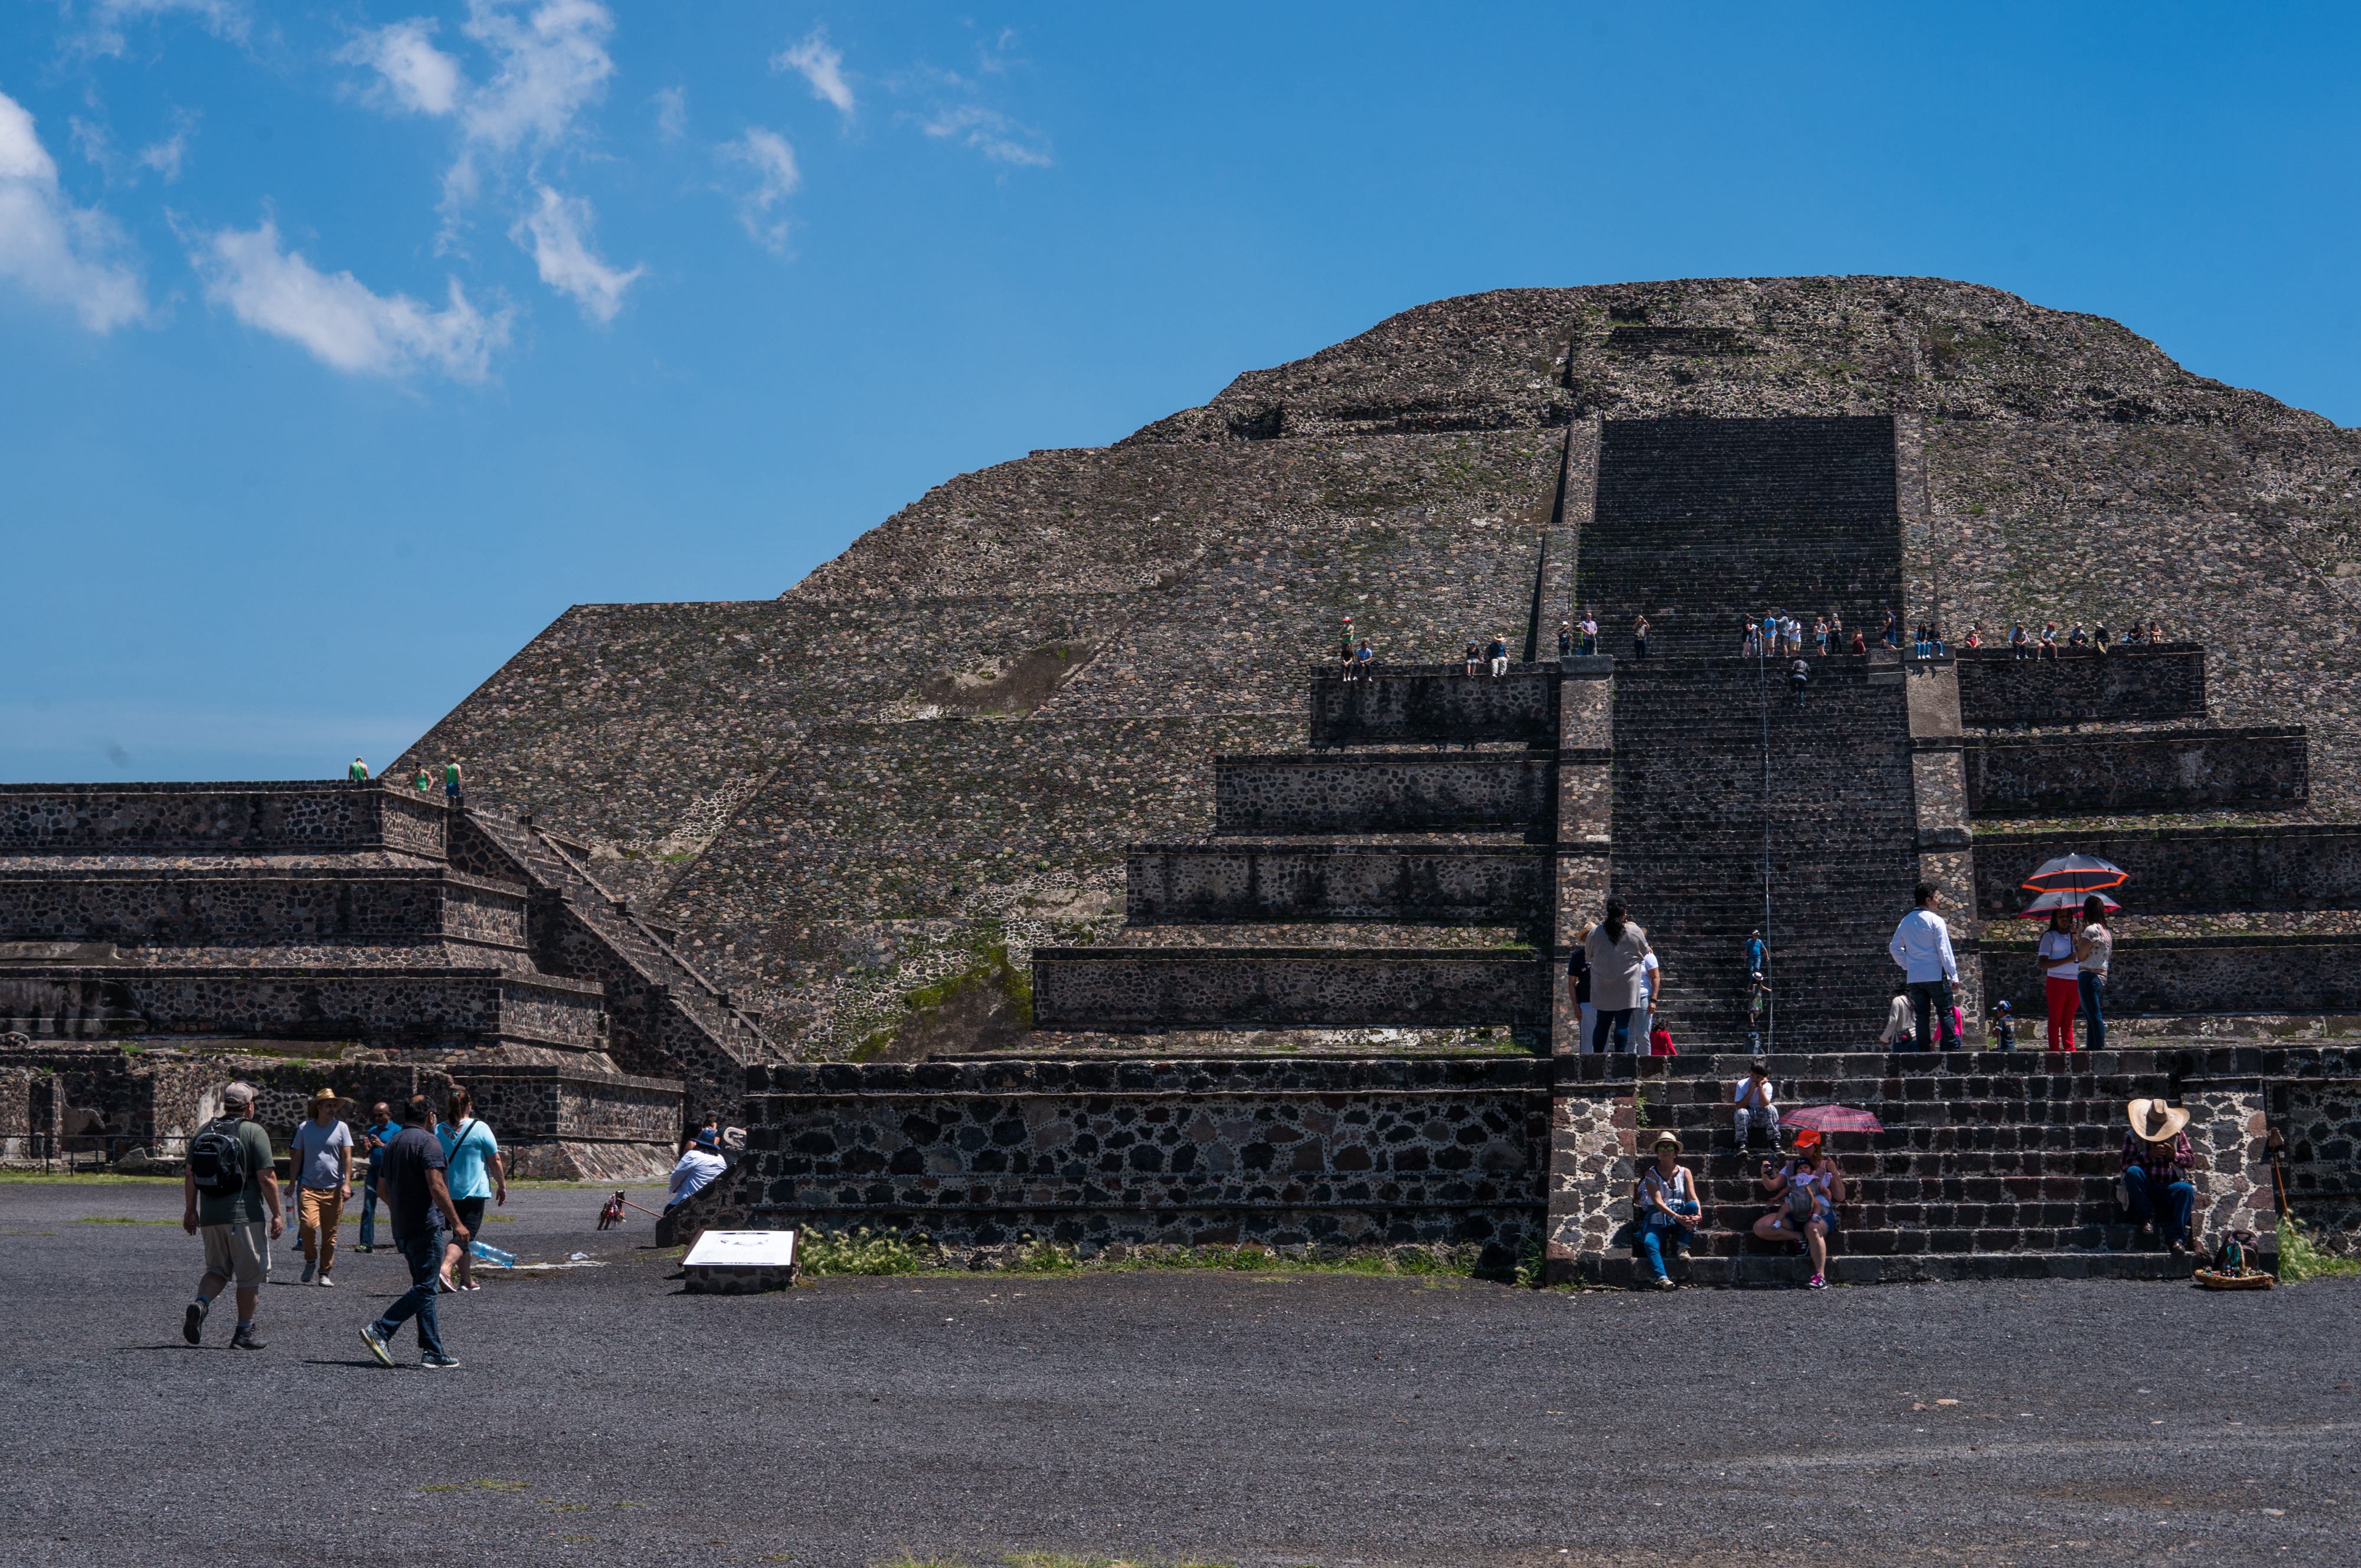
x=1238, y=1418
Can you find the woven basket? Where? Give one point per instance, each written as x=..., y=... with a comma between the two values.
x=2245, y=1279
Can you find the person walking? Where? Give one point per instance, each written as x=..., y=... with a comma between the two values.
x=454, y=790
x=358, y=772
x=382, y=1130
x=321, y=1164
x=1498, y=655
x=1669, y=1209
x=418, y=1204
x=229, y=1196
x=1922, y=946
x=2061, y=989
x=1640, y=638
x=2095, y=949
x=472, y=1170
x=1617, y=952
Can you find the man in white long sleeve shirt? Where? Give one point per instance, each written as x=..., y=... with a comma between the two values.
x=1922, y=946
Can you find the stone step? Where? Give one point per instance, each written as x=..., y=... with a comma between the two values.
x=1382, y=792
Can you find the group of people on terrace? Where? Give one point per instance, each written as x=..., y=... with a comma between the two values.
x=454, y=780
x=2044, y=643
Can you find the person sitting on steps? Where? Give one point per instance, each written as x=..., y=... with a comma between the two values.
x=1755, y=1108
x=2155, y=1171
x=1498, y=655
x=1669, y=1209
x=1809, y=1189
x=1474, y=658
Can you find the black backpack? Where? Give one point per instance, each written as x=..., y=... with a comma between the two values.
x=217, y=1157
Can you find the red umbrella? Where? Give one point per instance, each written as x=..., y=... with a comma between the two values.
x=2077, y=873
x=2048, y=903
x=1831, y=1119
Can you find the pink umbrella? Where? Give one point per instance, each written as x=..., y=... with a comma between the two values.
x=2050, y=904
x=1831, y=1119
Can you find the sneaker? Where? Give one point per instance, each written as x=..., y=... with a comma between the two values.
x=1664, y=1282
x=433, y=1363
x=326, y=1280
x=1816, y=1283
x=243, y=1339
x=363, y=1246
x=192, y=1321
x=307, y=1276
x=376, y=1341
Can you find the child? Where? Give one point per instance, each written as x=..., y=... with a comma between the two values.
x=2004, y=1027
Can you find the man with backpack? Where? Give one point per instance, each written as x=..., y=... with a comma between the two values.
x=418, y=1201
x=230, y=1192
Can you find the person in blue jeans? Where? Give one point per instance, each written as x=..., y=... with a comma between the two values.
x=382, y=1130
x=1669, y=1209
x=418, y=1204
x=2155, y=1171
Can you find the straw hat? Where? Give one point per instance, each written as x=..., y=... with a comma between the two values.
x=1664, y=1139
x=323, y=1092
x=2154, y=1122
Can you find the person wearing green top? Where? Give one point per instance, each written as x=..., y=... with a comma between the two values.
x=231, y=1223
x=450, y=783
x=358, y=772
x=426, y=779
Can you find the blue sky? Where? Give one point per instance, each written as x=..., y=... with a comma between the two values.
x=342, y=347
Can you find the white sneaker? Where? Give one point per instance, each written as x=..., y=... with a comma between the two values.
x=326, y=1280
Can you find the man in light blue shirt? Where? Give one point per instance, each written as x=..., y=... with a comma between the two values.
x=1922, y=946
x=382, y=1130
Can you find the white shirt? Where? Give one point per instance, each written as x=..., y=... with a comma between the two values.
x=695, y=1172
x=1922, y=946
x=1746, y=1085
x=2057, y=952
x=1648, y=968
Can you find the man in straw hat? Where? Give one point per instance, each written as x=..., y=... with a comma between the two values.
x=2155, y=1171
x=323, y=1164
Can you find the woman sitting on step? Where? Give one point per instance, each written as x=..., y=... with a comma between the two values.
x=1669, y=1209
x=1808, y=1191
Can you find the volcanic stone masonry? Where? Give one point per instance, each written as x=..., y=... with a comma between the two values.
x=1050, y=770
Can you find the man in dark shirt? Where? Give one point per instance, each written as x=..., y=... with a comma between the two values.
x=418, y=1202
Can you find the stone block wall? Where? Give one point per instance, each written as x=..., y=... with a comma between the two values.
x=2320, y=1121
x=1324, y=1154
x=1593, y=1162
x=1435, y=703
x=304, y=815
x=2228, y=1133
x=1470, y=884
x=2173, y=769
x=2189, y=871
x=1407, y=792
x=2142, y=683
x=411, y=1007
x=247, y=905
x=2164, y=975
x=1148, y=988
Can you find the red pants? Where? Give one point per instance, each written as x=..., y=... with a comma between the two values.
x=2065, y=1000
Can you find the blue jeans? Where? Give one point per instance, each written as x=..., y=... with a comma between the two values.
x=1619, y=1019
x=369, y=1209
x=2179, y=1197
x=424, y=1253
x=1656, y=1234
x=1933, y=997
x=2094, y=1011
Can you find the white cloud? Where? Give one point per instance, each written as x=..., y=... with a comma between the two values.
x=335, y=317
x=166, y=155
x=672, y=113
x=559, y=232
x=776, y=179
x=104, y=32
x=418, y=76
x=553, y=64
x=165, y=158
x=54, y=249
x=991, y=133
x=822, y=66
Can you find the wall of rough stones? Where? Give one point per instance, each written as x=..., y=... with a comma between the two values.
x=2219, y=974
x=1390, y=792
x=1396, y=705
x=1446, y=883
x=425, y=1006
x=1150, y=988
x=1287, y=1154
x=215, y=817
x=2188, y=871
x=2320, y=1121
x=249, y=904
x=2169, y=769
x=2079, y=686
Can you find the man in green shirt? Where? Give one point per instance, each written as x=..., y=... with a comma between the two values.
x=450, y=784
x=358, y=772
x=232, y=1222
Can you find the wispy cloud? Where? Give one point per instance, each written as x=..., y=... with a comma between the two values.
x=415, y=75
x=821, y=65
x=672, y=113
x=991, y=133
x=772, y=161
x=553, y=64
x=50, y=247
x=104, y=21
x=165, y=157
x=335, y=317
x=557, y=232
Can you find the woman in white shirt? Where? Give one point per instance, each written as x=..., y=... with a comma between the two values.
x=2095, y=949
x=2061, y=990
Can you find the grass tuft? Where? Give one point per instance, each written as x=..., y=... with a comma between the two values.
x=2301, y=1259
x=863, y=1250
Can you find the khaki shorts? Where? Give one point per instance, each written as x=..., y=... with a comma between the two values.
x=240, y=1253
